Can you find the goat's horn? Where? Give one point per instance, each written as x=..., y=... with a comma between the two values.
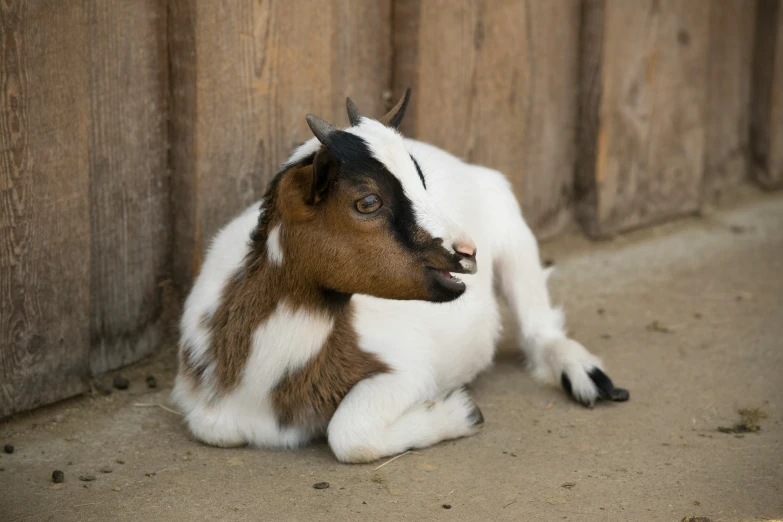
x=354, y=116
x=394, y=117
x=320, y=128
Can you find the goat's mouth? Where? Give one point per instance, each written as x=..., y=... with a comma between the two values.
x=447, y=280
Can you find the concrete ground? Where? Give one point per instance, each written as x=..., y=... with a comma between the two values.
x=688, y=316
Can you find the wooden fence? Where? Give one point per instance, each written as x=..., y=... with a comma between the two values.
x=131, y=131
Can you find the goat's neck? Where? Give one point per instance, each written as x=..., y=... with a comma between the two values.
x=287, y=283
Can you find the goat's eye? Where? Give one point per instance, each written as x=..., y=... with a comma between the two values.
x=368, y=204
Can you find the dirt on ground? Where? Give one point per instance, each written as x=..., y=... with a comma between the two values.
x=688, y=316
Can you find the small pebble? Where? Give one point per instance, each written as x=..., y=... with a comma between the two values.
x=150, y=474
x=86, y=478
x=8, y=448
x=568, y=485
x=119, y=461
x=117, y=488
x=121, y=383
x=102, y=388
x=106, y=469
x=321, y=485
x=151, y=381
x=446, y=506
x=58, y=476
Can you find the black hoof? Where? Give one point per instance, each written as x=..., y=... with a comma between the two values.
x=606, y=389
x=476, y=418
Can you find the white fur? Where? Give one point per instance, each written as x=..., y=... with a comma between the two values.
x=273, y=249
x=431, y=348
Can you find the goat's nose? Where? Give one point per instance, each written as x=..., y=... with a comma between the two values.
x=465, y=247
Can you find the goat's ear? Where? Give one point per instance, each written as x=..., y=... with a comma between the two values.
x=301, y=189
x=324, y=170
x=393, y=118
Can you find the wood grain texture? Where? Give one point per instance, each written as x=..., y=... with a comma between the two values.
x=767, y=109
x=244, y=75
x=129, y=212
x=642, y=148
x=494, y=82
x=727, y=114
x=44, y=199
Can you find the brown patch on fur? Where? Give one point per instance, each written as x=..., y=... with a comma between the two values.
x=310, y=396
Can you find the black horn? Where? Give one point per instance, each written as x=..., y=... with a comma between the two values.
x=394, y=117
x=354, y=116
x=320, y=128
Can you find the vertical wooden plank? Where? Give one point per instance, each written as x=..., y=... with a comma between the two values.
x=244, y=75
x=494, y=82
x=44, y=194
x=727, y=114
x=648, y=132
x=767, y=110
x=129, y=215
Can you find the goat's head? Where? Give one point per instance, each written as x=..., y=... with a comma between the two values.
x=355, y=216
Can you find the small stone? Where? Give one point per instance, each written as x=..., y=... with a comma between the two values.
x=321, y=485
x=58, y=476
x=658, y=326
x=119, y=461
x=70, y=463
x=568, y=485
x=150, y=474
x=601, y=311
x=8, y=448
x=102, y=388
x=696, y=503
x=116, y=488
x=151, y=381
x=106, y=469
x=446, y=506
x=121, y=383
x=86, y=478
x=697, y=315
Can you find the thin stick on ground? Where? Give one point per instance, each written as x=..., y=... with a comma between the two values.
x=144, y=405
x=393, y=459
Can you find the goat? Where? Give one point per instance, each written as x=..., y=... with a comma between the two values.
x=333, y=306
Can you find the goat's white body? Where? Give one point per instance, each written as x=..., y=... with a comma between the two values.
x=431, y=348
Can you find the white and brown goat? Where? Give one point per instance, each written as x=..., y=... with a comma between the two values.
x=331, y=308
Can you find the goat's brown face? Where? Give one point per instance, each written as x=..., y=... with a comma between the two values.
x=351, y=226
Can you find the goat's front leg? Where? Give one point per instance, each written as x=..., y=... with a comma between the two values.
x=551, y=355
x=391, y=413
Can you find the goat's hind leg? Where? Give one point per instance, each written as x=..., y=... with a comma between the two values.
x=389, y=414
x=551, y=355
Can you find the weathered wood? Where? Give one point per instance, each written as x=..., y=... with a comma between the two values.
x=44, y=196
x=244, y=75
x=641, y=144
x=129, y=213
x=767, y=109
x=494, y=82
x=727, y=114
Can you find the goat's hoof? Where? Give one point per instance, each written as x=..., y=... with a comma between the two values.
x=476, y=418
x=604, y=389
